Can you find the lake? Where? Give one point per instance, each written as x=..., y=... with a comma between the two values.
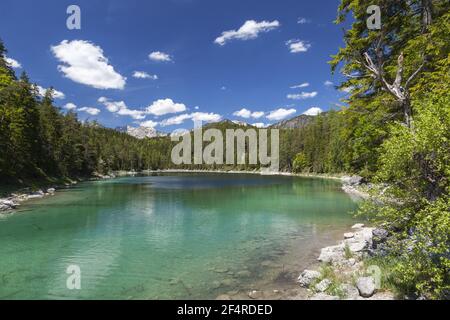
x=171, y=236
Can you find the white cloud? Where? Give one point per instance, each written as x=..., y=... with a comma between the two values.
x=148, y=124
x=56, y=94
x=159, y=56
x=302, y=96
x=302, y=20
x=175, y=120
x=144, y=75
x=135, y=114
x=257, y=114
x=303, y=85
x=120, y=108
x=249, y=30
x=297, y=46
x=313, y=111
x=196, y=116
x=245, y=113
x=91, y=111
x=13, y=63
x=84, y=62
x=165, y=106
x=196, y=107
x=328, y=83
x=280, y=114
x=70, y=106
x=205, y=117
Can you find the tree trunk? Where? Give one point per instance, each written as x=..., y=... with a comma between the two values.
x=407, y=113
x=427, y=14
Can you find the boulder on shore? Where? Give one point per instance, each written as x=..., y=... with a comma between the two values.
x=366, y=286
x=307, y=277
x=353, y=180
x=332, y=254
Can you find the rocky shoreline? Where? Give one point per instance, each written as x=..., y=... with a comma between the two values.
x=343, y=274
x=13, y=201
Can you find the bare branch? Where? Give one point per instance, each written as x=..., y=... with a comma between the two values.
x=398, y=78
x=411, y=78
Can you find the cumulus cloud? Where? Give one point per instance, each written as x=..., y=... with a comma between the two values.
x=280, y=114
x=165, y=106
x=56, y=94
x=245, y=113
x=70, y=106
x=297, y=46
x=73, y=107
x=302, y=20
x=196, y=116
x=91, y=111
x=144, y=75
x=302, y=96
x=148, y=124
x=85, y=63
x=13, y=63
x=159, y=56
x=249, y=30
x=303, y=85
x=328, y=83
x=314, y=111
x=175, y=120
x=205, y=117
x=120, y=108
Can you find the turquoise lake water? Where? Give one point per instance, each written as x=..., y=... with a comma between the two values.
x=178, y=236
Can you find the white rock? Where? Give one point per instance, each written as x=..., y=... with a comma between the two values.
x=323, y=285
x=357, y=246
x=307, y=277
x=366, y=286
x=350, y=292
x=51, y=190
x=358, y=226
x=332, y=254
x=349, y=235
x=35, y=196
x=255, y=294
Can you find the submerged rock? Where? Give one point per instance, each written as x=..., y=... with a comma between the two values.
x=307, y=277
x=366, y=286
x=255, y=294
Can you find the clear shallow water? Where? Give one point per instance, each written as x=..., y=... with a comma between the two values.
x=170, y=237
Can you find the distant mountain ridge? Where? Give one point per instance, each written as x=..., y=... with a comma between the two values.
x=298, y=122
x=140, y=132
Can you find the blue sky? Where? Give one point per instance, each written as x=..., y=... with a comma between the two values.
x=211, y=59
